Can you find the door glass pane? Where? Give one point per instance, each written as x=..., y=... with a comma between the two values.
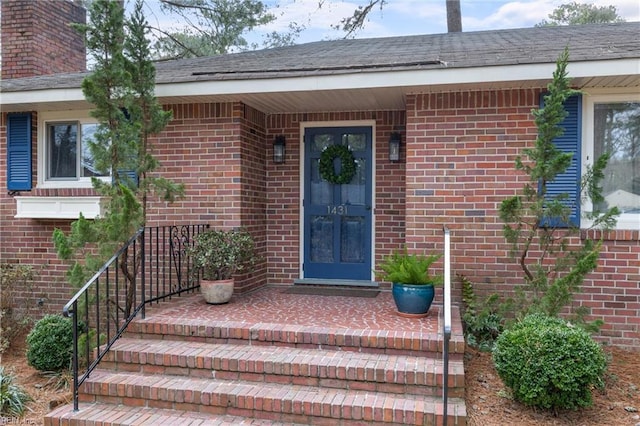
x=321, y=190
x=320, y=142
x=355, y=142
x=616, y=131
x=62, y=144
x=354, y=192
x=352, y=239
x=321, y=239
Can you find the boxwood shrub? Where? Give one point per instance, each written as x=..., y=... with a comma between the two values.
x=49, y=344
x=549, y=363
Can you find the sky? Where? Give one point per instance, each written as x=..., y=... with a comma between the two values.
x=406, y=17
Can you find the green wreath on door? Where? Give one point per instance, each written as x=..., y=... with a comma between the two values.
x=348, y=164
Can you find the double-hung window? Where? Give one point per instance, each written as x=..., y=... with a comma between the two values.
x=612, y=124
x=65, y=157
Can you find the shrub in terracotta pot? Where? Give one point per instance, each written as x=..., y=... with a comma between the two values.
x=219, y=255
x=412, y=283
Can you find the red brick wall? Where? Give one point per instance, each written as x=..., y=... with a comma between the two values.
x=213, y=149
x=200, y=148
x=457, y=162
x=253, y=182
x=460, y=165
x=28, y=242
x=37, y=38
x=218, y=152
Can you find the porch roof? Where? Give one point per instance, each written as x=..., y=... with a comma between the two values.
x=373, y=73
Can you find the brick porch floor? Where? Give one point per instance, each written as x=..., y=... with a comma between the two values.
x=269, y=357
x=374, y=320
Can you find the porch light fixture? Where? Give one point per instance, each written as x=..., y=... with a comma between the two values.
x=394, y=147
x=278, y=149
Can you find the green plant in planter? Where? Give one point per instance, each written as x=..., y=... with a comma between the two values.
x=220, y=254
x=412, y=281
x=406, y=268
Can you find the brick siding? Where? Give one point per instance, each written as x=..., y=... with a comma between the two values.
x=460, y=166
x=34, y=42
x=457, y=165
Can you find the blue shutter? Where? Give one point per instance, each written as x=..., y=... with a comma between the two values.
x=571, y=141
x=19, y=152
x=130, y=177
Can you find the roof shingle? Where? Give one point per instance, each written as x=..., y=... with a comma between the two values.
x=451, y=50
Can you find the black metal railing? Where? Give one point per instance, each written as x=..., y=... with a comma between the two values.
x=152, y=266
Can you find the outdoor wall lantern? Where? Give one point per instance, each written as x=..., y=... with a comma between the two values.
x=394, y=147
x=278, y=149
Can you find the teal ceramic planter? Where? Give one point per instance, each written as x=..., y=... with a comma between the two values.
x=413, y=300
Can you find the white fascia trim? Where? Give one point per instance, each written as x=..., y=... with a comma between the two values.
x=43, y=96
x=359, y=80
x=57, y=207
x=408, y=78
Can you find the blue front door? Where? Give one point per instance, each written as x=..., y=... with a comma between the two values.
x=337, y=216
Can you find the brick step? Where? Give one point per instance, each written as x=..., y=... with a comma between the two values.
x=272, y=401
x=111, y=415
x=391, y=342
x=335, y=369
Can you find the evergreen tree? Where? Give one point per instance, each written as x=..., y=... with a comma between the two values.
x=121, y=90
x=537, y=225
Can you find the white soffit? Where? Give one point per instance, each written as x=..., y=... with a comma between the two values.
x=405, y=78
x=394, y=82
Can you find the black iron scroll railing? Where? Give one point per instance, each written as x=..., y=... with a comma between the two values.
x=153, y=266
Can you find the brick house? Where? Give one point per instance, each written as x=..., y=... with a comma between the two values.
x=248, y=130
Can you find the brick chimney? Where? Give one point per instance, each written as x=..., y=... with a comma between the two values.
x=37, y=38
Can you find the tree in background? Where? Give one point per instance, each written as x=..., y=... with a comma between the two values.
x=356, y=22
x=215, y=27
x=121, y=90
x=577, y=14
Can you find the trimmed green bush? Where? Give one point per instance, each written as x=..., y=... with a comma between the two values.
x=549, y=363
x=49, y=344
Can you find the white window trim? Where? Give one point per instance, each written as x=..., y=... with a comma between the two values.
x=625, y=221
x=44, y=118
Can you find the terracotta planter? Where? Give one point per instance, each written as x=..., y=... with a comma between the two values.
x=216, y=292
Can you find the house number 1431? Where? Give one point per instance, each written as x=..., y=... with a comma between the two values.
x=340, y=210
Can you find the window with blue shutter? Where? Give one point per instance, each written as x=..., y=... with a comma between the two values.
x=130, y=177
x=19, y=152
x=571, y=141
